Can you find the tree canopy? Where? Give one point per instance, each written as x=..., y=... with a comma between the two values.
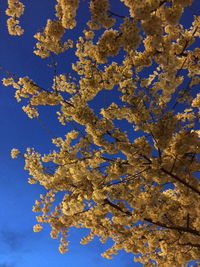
x=129, y=168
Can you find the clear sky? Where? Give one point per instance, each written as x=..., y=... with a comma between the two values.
x=19, y=245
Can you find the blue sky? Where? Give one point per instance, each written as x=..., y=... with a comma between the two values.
x=19, y=245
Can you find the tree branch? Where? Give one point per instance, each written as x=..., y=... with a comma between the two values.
x=177, y=178
x=116, y=15
x=106, y=201
x=126, y=180
x=177, y=228
x=161, y=3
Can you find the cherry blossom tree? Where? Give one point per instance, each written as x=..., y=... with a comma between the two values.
x=139, y=187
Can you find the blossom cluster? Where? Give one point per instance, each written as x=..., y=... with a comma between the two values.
x=14, y=11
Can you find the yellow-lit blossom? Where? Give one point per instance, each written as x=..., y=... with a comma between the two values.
x=37, y=227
